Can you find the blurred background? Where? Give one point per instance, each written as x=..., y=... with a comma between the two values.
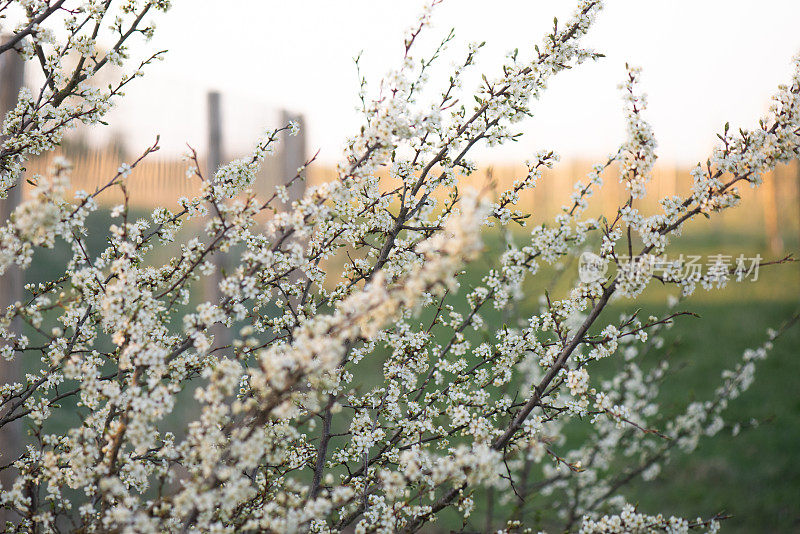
x=233, y=72
x=237, y=68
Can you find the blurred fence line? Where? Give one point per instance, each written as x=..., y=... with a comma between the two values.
x=772, y=208
x=775, y=206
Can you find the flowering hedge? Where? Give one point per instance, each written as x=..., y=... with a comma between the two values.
x=292, y=428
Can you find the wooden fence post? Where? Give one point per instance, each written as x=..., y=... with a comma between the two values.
x=12, y=74
x=293, y=156
x=795, y=177
x=769, y=195
x=215, y=154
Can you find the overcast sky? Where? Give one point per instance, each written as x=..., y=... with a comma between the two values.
x=704, y=63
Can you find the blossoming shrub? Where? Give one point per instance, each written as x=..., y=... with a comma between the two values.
x=372, y=397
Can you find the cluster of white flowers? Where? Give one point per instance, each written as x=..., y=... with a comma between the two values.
x=361, y=387
x=50, y=35
x=638, y=152
x=631, y=521
x=39, y=220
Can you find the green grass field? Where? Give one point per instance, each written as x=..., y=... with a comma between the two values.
x=754, y=477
